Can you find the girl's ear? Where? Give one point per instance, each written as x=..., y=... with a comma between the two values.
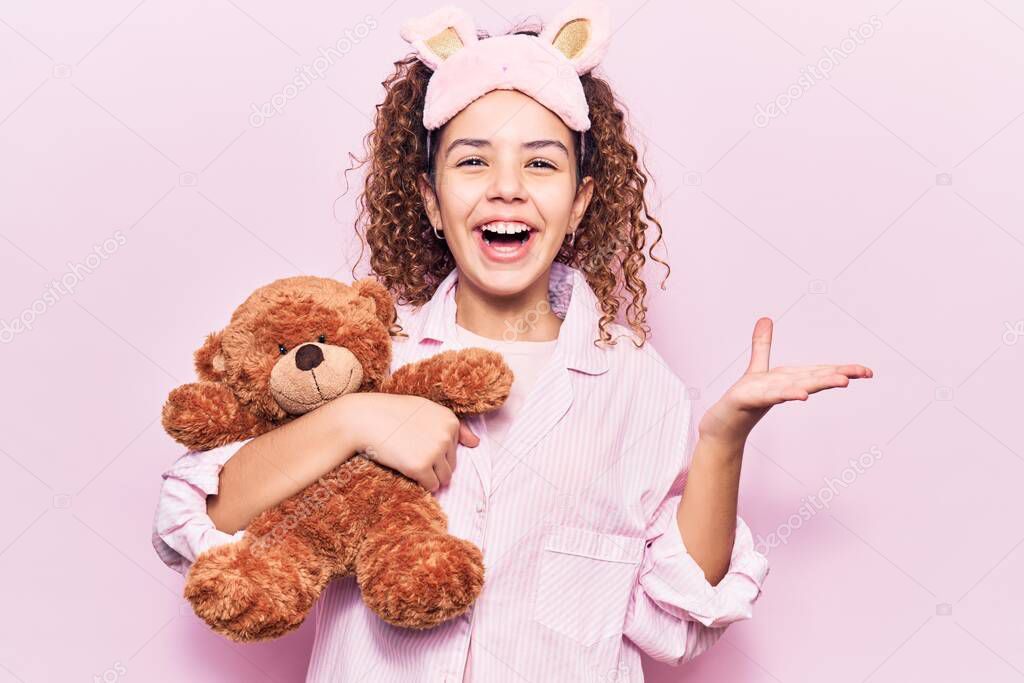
x=429, y=198
x=210, y=359
x=384, y=305
x=581, y=32
x=440, y=34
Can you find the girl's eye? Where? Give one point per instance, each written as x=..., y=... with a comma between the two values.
x=544, y=162
x=322, y=339
x=280, y=347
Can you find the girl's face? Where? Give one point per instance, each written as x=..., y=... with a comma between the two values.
x=505, y=196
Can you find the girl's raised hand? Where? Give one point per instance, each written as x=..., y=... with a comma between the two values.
x=731, y=419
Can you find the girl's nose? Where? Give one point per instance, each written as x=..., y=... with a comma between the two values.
x=506, y=182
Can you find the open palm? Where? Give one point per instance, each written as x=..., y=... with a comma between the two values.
x=750, y=398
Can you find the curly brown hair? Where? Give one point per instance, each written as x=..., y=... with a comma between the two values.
x=408, y=259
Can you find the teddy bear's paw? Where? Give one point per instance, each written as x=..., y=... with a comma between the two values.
x=247, y=597
x=420, y=579
x=479, y=382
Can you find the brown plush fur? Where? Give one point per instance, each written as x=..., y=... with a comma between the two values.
x=361, y=518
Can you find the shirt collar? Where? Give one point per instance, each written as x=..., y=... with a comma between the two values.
x=571, y=299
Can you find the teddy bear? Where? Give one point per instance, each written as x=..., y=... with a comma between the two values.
x=289, y=348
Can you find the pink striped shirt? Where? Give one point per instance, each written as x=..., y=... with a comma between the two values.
x=526, y=359
x=575, y=512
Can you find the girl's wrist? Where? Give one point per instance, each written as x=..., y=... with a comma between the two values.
x=722, y=445
x=727, y=426
x=346, y=421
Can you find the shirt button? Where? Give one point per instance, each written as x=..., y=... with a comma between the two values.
x=480, y=507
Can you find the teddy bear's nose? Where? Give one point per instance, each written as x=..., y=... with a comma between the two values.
x=308, y=357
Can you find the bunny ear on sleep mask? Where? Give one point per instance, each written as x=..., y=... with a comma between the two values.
x=545, y=67
x=581, y=32
x=440, y=34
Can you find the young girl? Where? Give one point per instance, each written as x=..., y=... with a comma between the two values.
x=504, y=208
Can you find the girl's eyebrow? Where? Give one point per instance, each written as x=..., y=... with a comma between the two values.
x=480, y=142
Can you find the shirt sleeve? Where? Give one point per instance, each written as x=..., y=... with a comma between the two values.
x=675, y=614
x=182, y=529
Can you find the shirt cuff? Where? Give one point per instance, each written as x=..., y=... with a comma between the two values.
x=673, y=579
x=202, y=468
x=182, y=529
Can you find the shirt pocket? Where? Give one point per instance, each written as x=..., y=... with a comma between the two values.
x=584, y=583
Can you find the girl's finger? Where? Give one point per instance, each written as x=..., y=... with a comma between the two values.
x=781, y=395
x=815, y=384
x=428, y=480
x=451, y=454
x=760, y=346
x=850, y=369
x=794, y=369
x=466, y=436
x=850, y=372
x=767, y=393
x=443, y=472
x=853, y=370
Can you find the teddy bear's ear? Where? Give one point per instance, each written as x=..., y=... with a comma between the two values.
x=384, y=305
x=210, y=359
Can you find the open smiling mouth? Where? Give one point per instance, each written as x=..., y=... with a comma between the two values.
x=504, y=238
x=505, y=241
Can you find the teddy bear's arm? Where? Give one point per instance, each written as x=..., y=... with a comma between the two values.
x=468, y=381
x=205, y=415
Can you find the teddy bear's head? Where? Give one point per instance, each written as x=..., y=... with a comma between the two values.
x=300, y=342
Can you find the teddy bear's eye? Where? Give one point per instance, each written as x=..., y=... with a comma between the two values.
x=282, y=349
x=322, y=339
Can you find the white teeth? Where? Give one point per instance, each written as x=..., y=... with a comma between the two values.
x=507, y=228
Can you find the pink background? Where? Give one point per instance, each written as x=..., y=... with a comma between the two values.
x=879, y=220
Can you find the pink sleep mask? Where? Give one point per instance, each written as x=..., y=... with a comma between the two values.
x=545, y=67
